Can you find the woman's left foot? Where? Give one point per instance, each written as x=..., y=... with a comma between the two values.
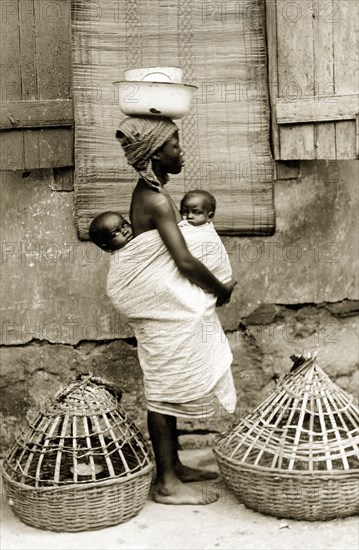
x=187, y=474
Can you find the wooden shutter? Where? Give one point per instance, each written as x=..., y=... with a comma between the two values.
x=313, y=59
x=36, y=116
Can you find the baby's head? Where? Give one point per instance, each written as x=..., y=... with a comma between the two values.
x=198, y=207
x=110, y=231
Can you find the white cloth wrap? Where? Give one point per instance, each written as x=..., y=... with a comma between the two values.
x=182, y=348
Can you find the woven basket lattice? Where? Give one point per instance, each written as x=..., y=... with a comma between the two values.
x=296, y=455
x=81, y=465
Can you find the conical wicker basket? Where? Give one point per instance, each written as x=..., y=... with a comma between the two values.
x=81, y=465
x=296, y=455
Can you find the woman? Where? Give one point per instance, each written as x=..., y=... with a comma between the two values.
x=151, y=146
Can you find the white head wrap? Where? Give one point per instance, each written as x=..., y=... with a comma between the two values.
x=140, y=137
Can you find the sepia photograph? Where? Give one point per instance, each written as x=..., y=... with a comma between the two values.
x=179, y=274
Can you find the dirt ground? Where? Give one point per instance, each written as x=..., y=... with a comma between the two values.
x=225, y=524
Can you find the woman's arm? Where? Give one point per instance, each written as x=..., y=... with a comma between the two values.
x=163, y=217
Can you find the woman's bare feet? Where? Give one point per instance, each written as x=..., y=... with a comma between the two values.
x=187, y=474
x=177, y=492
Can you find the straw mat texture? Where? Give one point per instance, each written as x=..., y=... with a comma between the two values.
x=225, y=137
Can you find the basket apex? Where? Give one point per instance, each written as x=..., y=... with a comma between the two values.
x=303, y=362
x=85, y=380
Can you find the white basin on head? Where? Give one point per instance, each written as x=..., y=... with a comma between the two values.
x=155, y=98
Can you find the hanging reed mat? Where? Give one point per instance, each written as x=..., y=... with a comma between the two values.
x=225, y=136
x=81, y=465
x=296, y=455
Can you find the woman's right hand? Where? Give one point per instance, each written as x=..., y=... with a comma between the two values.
x=225, y=297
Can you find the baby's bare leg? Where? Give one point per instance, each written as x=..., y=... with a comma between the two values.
x=169, y=487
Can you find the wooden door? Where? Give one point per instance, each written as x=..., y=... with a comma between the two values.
x=36, y=115
x=313, y=78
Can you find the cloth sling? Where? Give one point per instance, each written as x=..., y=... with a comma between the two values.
x=182, y=349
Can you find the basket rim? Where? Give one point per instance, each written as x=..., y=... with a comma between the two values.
x=71, y=486
x=288, y=473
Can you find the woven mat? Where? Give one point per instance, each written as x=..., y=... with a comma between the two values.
x=225, y=137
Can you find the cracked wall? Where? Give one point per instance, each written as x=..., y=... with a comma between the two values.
x=297, y=290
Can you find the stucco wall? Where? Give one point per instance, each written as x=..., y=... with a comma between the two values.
x=297, y=290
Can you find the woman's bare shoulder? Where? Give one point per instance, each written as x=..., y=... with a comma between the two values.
x=156, y=201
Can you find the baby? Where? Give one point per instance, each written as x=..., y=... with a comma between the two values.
x=110, y=231
x=198, y=207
